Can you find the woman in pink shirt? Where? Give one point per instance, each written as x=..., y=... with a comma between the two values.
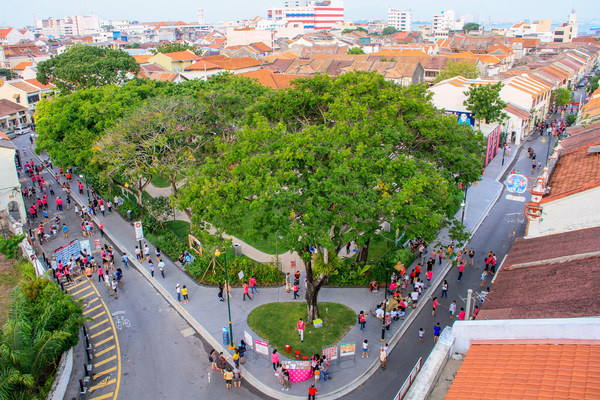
x=275, y=359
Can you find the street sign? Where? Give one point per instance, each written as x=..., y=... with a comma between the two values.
x=248, y=339
x=516, y=183
x=515, y=198
x=139, y=231
x=262, y=347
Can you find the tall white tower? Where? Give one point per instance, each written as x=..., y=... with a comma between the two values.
x=201, y=20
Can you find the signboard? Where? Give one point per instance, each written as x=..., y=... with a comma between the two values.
x=293, y=264
x=248, y=339
x=139, y=231
x=515, y=198
x=295, y=364
x=241, y=275
x=464, y=118
x=347, y=349
x=516, y=183
x=262, y=347
x=330, y=353
x=65, y=253
x=84, y=245
x=97, y=243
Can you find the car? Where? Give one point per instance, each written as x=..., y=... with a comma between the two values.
x=11, y=134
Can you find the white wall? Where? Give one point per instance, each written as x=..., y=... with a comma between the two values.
x=244, y=37
x=587, y=328
x=9, y=182
x=577, y=211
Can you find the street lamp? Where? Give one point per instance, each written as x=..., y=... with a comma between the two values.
x=277, y=249
x=385, y=289
x=464, y=204
x=87, y=187
x=217, y=254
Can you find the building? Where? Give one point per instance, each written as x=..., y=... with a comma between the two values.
x=176, y=61
x=26, y=93
x=399, y=19
x=246, y=36
x=77, y=25
x=567, y=31
x=315, y=15
x=444, y=22
x=13, y=116
x=11, y=200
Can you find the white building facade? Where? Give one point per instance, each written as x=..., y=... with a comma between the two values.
x=315, y=15
x=399, y=19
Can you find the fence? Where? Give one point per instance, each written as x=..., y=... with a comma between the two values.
x=409, y=380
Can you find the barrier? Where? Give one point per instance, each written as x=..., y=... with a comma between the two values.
x=409, y=380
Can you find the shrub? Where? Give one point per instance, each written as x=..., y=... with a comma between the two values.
x=571, y=118
x=206, y=272
x=352, y=274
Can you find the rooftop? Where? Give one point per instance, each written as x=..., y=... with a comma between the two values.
x=7, y=107
x=528, y=371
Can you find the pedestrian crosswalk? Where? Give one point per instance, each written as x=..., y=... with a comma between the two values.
x=106, y=360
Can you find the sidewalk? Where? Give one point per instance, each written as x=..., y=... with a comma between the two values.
x=208, y=316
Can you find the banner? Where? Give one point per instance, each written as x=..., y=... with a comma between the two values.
x=262, y=347
x=84, y=245
x=97, y=243
x=139, y=230
x=248, y=339
x=347, y=349
x=330, y=353
x=65, y=253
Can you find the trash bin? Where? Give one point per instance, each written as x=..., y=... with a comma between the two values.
x=225, y=336
x=237, y=249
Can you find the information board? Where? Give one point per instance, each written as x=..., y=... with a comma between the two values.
x=84, y=245
x=331, y=353
x=248, y=339
x=262, y=347
x=347, y=349
x=65, y=253
x=139, y=230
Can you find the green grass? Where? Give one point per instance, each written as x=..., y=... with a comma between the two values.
x=180, y=228
x=160, y=181
x=276, y=323
x=266, y=245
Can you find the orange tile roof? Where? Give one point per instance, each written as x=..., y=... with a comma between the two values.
x=414, y=53
x=142, y=58
x=4, y=32
x=25, y=87
x=528, y=371
x=3, y=136
x=237, y=63
x=202, y=65
x=527, y=42
x=260, y=46
x=22, y=65
x=185, y=55
x=282, y=56
x=36, y=83
x=575, y=172
x=269, y=79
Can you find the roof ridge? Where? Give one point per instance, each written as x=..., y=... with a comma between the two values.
x=556, y=260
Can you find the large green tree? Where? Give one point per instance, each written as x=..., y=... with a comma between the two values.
x=172, y=47
x=561, y=97
x=330, y=161
x=470, y=26
x=82, y=67
x=454, y=68
x=484, y=101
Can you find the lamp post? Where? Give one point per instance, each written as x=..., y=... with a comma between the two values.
x=464, y=204
x=217, y=254
x=384, y=296
x=277, y=249
x=548, y=152
x=87, y=188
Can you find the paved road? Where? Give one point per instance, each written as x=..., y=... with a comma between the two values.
x=160, y=356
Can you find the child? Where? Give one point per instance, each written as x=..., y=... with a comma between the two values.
x=483, y=278
x=365, y=349
x=436, y=332
x=452, y=309
x=317, y=375
x=421, y=334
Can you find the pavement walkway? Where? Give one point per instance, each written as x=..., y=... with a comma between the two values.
x=208, y=316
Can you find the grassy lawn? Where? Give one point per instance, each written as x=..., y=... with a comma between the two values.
x=276, y=323
x=266, y=245
x=180, y=228
x=160, y=181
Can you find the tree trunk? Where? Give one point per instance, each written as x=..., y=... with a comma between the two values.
x=363, y=253
x=313, y=286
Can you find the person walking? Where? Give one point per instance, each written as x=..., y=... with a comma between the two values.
x=421, y=335
x=146, y=251
x=138, y=253
x=125, y=260
x=161, y=267
x=435, y=306
x=246, y=287
x=252, y=282
x=452, y=309
x=312, y=392
x=461, y=267
x=296, y=288
x=436, y=332
x=445, y=289
x=220, y=294
x=100, y=274
x=178, y=291
x=151, y=266
x=362, y=320
x=301, y=324
x=365, y=349
x=471, y=255
x=184, y=293
x=382, y=358
x=65, y=230
x=483, y=278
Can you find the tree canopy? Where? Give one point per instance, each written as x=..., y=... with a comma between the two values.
x=172, y=47
x=388, y=30
x=83, y=67
x=356, y=50
x=454, y=68
x=485, y=103
x=331, y=160
x=470, y=26
x=561, y=96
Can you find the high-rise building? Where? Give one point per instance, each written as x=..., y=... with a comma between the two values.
x=201, y=20
x=567, y=31
x=399, y=19
x=317, y=15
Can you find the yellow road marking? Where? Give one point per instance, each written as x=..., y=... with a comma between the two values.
x=100, y=343
x=102, y=384
x=90, y=302
x=102, y=397
x=108, y=371
x=79, y=291
x=99, y=333
x=112, y=323
x=87, y=295
x=99, y=315
x=109, y=359
x=99, y=323
x=77, y=284
x=92, y=309
x=98, y=354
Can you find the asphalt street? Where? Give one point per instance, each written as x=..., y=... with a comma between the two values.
x=162, y=357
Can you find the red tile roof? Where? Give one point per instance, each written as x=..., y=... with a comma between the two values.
x=22, y=65
x=185, y=55
x=36, y=83
x=4, y=32
x=528, y=371
x=7, y=107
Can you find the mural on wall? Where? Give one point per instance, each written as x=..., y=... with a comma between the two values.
x=464, y=118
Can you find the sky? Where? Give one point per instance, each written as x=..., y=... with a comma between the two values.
x=222, y=10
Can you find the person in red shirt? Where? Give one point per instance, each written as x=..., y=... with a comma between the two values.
x=312, y=392
x=301, y=325
x=462, y=314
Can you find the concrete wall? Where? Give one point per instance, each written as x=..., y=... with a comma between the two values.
x=10, y=187
x=464, y=332
x=63, y=375
x=577, y=211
